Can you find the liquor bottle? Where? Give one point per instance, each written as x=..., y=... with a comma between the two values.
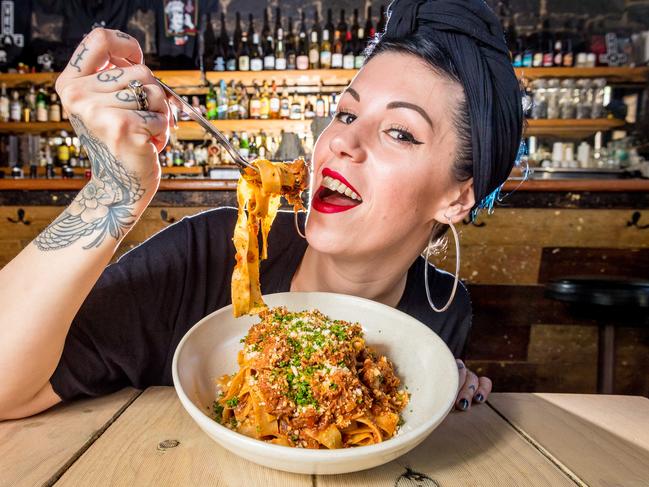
x=309, y=109
x=237, y=33
x=325, y=50
x=30, y=105
x=4, y=104
x=274, y=102
x=280, y=51
x=209, y=41
x=257, y=56
x=264, y=105
x=231, y=57
x=528, y=53
x=359, y=48
x=369, y=26
x=284, y=103
x=296, y=108
x=557, y=56
x=253, y=152
x=348, y=53
x=329, y=25
x=517, y=59
x=221, y=47
x=222, y=101
x=211, y=103
x=568, y=45
x=302, y=60
x=269, y=52
x=41, y=106
x=62, y=150
x=342, y=24
x=233, y=102
x=278, y=22
x=15, y=107
x=337, y=51
x=244, y=54
x=251, y=29
x=54, y=114
x=244, y=101
x=314, y=51
x=265, y=30
x=333, y=104
x=380, y=26
x=255, y=104
x=320, y=106
x=291, y=46
x=355, y=25
x=244, y=145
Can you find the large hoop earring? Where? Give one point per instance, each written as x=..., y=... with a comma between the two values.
x=457, y=268
x=297, y=227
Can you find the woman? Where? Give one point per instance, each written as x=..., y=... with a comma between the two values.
x=427, y=130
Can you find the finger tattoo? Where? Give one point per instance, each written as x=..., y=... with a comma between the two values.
x=146, y=116
x=79, y=57
x=125, y=96
x=122, y=35
x=110, y=75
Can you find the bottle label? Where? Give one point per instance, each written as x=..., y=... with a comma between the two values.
x=325, y=59
x=256, y=64
x=274, y=105
x=348, y=61
x=518, y=60
x=255, y=109
x=55, y=113
x=336, y=60
x=314, y=56
x=527, y=60
x=568, y=59
x=547, y=60
x=537, y=60
x=358, y=61
x=269, y=62
x=41, y=113
x=219, y=64
x=244, y=63
x=302, y=62
x=280, y=63
x=231, y=65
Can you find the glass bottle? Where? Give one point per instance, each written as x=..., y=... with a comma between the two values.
x=264, y=107
x=274, y=102
x=325, y=50
x=280, y=51
x=4, y=104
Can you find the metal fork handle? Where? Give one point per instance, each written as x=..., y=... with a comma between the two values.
x=203, y=122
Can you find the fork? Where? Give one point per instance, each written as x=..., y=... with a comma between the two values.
x=195, y=115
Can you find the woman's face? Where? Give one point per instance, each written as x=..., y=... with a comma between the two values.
x=392, y=143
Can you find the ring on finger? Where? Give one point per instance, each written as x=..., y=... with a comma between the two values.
x=137, y=88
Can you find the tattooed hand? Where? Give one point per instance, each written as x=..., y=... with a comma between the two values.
x=122, y=142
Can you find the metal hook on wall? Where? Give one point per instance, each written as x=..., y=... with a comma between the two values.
x=21, y=218
x=165, y=217
x=635, y=220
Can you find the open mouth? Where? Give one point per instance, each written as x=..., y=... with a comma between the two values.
x=335, y=194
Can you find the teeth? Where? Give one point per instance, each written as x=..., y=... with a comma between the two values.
x=340, y=187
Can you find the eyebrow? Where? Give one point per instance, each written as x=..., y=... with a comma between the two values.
x=412, y=106
x=395, y=104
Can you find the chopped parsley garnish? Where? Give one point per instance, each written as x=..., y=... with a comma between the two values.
x=232, y=402
x=218, y=411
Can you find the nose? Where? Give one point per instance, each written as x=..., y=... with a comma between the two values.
x=346, y=144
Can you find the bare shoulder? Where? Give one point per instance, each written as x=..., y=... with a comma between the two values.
x=42, y=400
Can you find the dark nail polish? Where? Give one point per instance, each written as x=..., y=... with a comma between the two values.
x=460, y=365
x=479, y=397
x=464, y=404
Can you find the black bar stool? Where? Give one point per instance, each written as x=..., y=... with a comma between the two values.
x=596, y=294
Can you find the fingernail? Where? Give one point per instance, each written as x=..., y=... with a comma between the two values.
x=460, y=365
x=464, y=404
x=479, y=397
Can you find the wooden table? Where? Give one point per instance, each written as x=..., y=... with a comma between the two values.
x=134, y=438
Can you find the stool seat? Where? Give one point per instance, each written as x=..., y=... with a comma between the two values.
x=600, y=290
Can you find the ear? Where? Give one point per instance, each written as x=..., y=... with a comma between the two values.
x=461, y=201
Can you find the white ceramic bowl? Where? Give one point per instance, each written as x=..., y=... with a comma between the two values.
x=422, y=361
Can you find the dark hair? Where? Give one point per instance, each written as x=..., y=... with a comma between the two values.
x=441, y=63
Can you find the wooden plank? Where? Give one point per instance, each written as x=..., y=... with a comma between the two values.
x=570, y=128
x=474, y=448
x=579, y=185
x=566, y=261
x=602, y=439
x=36, y=450
x=128, y=452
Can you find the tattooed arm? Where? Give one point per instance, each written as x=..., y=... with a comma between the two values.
x=45, y=285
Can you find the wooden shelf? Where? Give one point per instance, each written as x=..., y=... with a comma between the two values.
x=572, y=128
x=613, y=75
x=34, y=127
x=193, y=131
x=192, y=79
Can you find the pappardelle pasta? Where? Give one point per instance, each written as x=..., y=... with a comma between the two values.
x=258, y=198
x=307, y=381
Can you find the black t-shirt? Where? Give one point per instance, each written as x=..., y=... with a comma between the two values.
x=127, y=329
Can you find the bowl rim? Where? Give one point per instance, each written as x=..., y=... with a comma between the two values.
x=308, y=454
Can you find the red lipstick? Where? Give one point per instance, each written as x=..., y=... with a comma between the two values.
x=319, y=204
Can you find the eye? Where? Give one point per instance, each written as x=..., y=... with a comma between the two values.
x=345, y=117
x=401, y=134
